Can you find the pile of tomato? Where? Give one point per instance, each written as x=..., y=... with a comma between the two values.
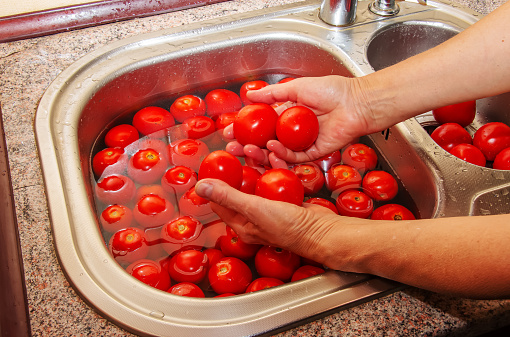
x=167, y=236
x=488, y=147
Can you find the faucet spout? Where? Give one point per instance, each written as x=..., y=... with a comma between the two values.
x=338, y=12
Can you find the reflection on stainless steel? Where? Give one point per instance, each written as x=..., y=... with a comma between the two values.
x=384, y=7
x=338, y=12
x=109, y=84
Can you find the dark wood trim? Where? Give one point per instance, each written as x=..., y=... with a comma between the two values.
x=14, y=318
x=58, y=20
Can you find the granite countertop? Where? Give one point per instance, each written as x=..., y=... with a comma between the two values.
x=27, y=68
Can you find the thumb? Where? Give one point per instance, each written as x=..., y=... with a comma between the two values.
x=222, y=194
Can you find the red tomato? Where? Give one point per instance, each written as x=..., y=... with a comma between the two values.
x=178, y=180
x=286, y=79
x=143, y=190
x=461, y=113
x=469, y=153
x=114, y=159
x=128, y=245
x=153, y=211
x=329, y=160
x=188, y=266
x=230, y=275
x=177, y=232
x=297, y=128
x=187, y=152
x=186, y=289
x=187, y=106
x=115, y=189
x=149, y=143
x=255, y=124
x=502, y=160
x=232, y=245
x=225, y=295
x=449, y=135
x=153, y=121
x=224, y=166
x=360, y=156
x=252, y=85
x=354, y=203
x=150, y=273
x=380, y=185
x=392, y=212
x=250, y=177
x=219, y=101
x=492, y=138
x=147, y=166
x=322, y=202
x=199, y=127
x=263, y=283
x=225, y=119
x=305, y=272
x=116, y=217
x=311, y=177
x=342, y=177
x=121, y=136
x=280, y=185
x=192, y=204
x=213, y=256
x=276, y=262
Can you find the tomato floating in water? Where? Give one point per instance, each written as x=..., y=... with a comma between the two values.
x=450, y=135
x=110, y=161
x=129, y=245
x=354, y=203
x=502, y=160
x=280, y=185
x=178, y=180
x=492, y=138
x=187, y=106
x=223, y=166
x=380, y=185
x=262, y=283
x=188, y=266
x=151, y=273
x=187, y=289
x=116, y=217
x=230, y=275
x=360, y=156
x=322, y=202
x=147, y=166
x=311, y=177
x=115, y=189
x=153, y=121
x=121, y=136
x=219, y=101
x=342, y=177
x=187, y=152
x=305, y=272
x=469, y=153
x=251, y=85
x=392, y=212
x=232, y=245
x=276, y=262
x=152, y=211
x=250, y=178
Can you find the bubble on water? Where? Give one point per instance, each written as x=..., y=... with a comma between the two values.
x=157, y=314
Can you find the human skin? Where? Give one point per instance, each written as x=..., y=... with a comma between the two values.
x=464, y=256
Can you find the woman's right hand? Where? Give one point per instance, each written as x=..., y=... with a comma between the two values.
x=340, y=108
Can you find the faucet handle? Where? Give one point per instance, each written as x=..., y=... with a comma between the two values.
x=384, y=7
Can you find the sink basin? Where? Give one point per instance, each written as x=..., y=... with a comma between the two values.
x=110, y=84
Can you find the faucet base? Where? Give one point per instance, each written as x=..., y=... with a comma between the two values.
x=384, y=8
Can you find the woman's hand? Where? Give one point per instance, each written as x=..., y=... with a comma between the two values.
x=338, y=103
x=302, y=230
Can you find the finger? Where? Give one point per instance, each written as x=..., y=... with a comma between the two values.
x=256, y=153
x=277, y=162
x=228, y=131
x=282, y=92
x=235, y=148
x=223, y=194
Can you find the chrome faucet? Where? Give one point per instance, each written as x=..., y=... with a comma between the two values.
x=384, y=7
x=338, y=12
x=343, y=12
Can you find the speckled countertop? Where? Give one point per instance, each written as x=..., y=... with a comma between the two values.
x=27, y=68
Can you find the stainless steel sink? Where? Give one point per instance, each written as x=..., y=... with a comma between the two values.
x=111, y=83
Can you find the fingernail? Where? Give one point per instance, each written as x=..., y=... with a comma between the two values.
x=204, y=189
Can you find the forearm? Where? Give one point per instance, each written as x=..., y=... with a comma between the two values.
x=471, y=65
x=462, y=256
